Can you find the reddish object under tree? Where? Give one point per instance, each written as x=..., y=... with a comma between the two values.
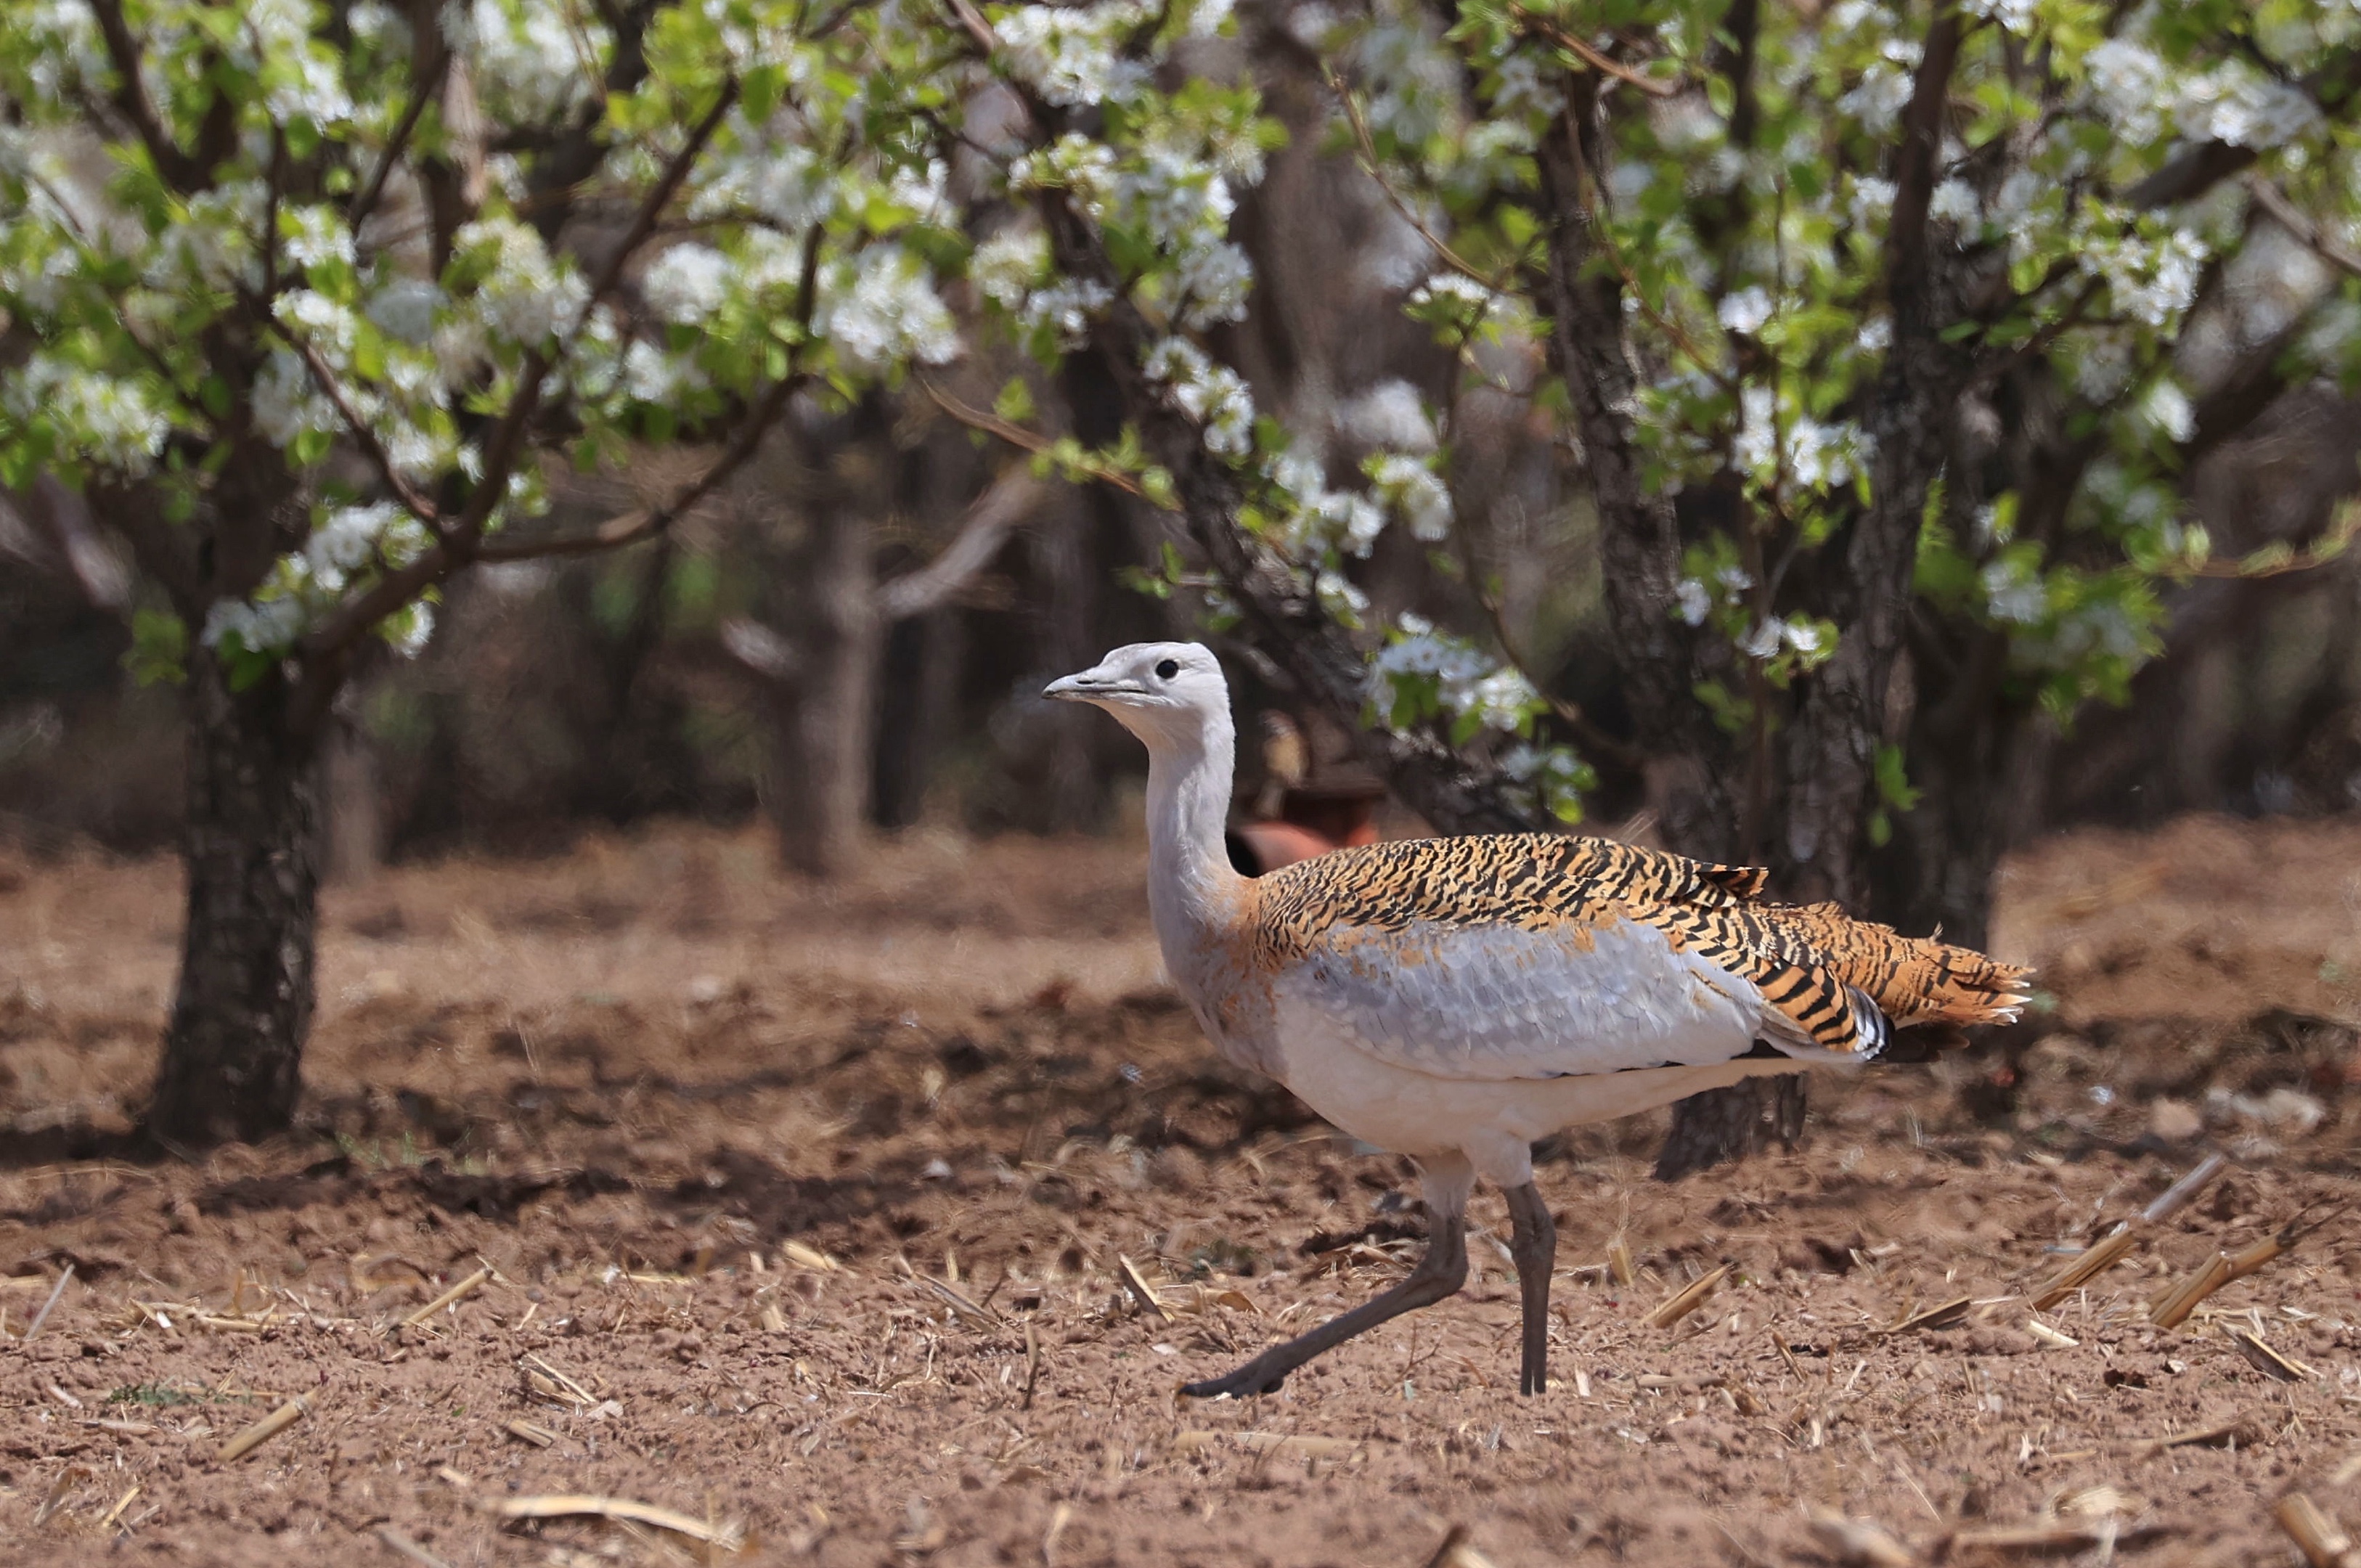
x=1312, y=821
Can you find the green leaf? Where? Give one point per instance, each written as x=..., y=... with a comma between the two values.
x=1014, y=402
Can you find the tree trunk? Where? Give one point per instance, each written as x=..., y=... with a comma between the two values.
x=1723, y=1124
x=252, y=849
x=356, y=816
x=820, y=828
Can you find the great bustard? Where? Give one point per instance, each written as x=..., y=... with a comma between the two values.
x=1454, y=999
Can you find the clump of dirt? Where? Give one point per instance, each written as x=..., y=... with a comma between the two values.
x=805, y=1215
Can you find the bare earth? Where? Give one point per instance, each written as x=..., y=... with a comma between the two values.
x=806, y=1215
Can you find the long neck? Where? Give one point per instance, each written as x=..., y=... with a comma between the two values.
x=1189, y=868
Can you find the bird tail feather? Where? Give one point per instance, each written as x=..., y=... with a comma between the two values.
x=1915, y=981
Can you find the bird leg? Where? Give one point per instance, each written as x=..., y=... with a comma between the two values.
x=1532, y=1244
x=1439, y=1274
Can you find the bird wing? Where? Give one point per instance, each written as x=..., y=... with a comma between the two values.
x=1497, y=1001
x=1532, y=955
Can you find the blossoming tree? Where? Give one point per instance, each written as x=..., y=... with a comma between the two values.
x=1876, y=335
x=1884, y=334
x=307, y=298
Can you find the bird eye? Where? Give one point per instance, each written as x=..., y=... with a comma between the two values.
x=1167, y=668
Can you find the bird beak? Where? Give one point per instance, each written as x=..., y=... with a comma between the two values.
x=1089, y=685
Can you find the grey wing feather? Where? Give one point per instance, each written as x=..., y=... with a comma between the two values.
x=1500, y=1002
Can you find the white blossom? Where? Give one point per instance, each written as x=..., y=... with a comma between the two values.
x=2166, y=410
x=536, y=61
x=1006, y=267
x=1214, y=395
x=405, y=309
x=1064, y=310
x=884, y=310
x=1745, y=311
x=2015, y=593
x=1072, y=54
x=109, y=420
x=1955, y=201
x=1390, y=414
x=686, y=284
x=1413, y=490
x=1691, y=601
x=260, y=627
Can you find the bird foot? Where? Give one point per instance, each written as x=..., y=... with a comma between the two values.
x=1247, y=1380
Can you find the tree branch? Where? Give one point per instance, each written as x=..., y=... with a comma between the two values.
x=177, y=168
x=508, y=438
x=2292, y=218
x=1914, y=170
x=630, y=528
x=1543, y=27
x=1639, y=534
x=2192, y=173
x=989, y=520
x=372, y=448
x=422, y=91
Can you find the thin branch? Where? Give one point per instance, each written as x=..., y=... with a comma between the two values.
x=999, y=509
x=372, y=448
x=268, y=240
x=2288, y=216
x=1374, y=167
x=422, y=92
x=2278, y=560
x=1914, y=173
x=508, y=438
x=1026, y=440
x=1543, y=27
x=972, y=20
x=177, y=168
x=630, y=528
x=2040, y=343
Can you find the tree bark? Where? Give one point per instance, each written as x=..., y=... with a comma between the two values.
x=1725, y=1124
x=252, y=847
x=828, y=746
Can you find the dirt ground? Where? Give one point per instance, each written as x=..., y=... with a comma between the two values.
x=805, y=1215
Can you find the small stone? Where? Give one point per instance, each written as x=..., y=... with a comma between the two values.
x=2174, y=1121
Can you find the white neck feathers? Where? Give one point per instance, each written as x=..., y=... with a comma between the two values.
x=1189, y=870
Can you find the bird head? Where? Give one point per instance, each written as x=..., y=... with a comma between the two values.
x=1156, y=690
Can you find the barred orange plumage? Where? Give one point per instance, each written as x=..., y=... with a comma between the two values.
x=1807, y=961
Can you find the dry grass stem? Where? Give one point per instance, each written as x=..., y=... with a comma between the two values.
x=2051, y=1336
x=1618, y=1262
x=553, y=1385
x=959, y=1302
x=1138, y=1285
x=47, y=1307
x=2179, y=1195
x=121, y=1502
x=525, y=1431
x=2316, y=1534
x=263, y=1431
x=2221, y=1432
x=2048, y=1536
x=1688, y=1300
x=2170, y=1307
x=402, y=1546
x=459, y=1292
x=809, y=1257
x=2265, y=1360
x=571, y=1505
x=1936, y=1317
x=1860, y=1542
x=2101, y=1255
